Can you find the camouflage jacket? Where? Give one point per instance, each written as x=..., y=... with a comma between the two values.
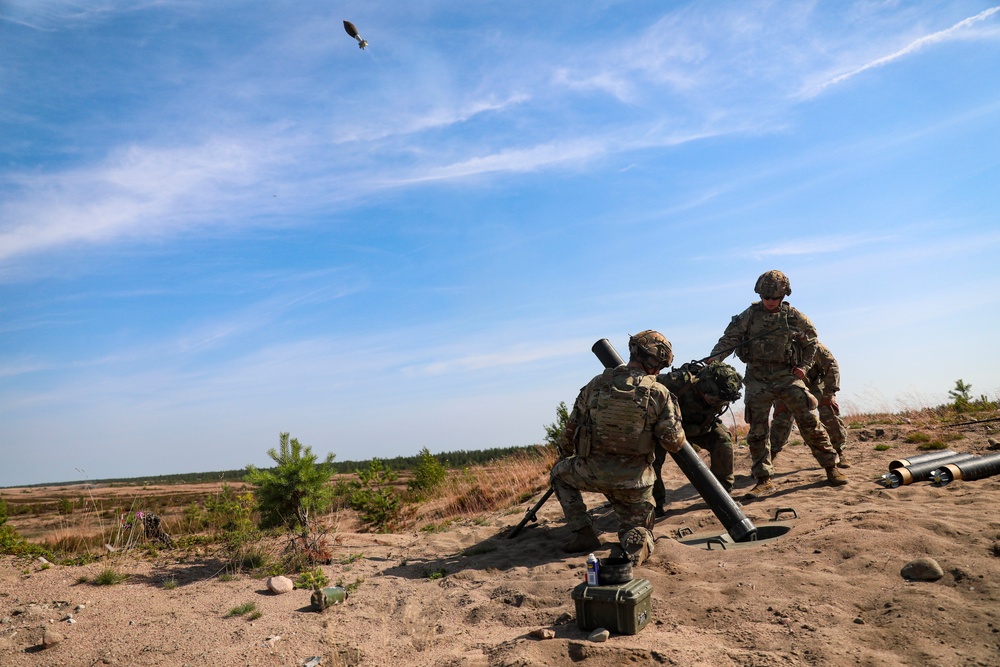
x=823, y=376
x=697, y=416
x=791, y=339
x=657, y=416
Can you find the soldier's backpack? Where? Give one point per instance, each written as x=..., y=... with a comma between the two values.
x=619, y=417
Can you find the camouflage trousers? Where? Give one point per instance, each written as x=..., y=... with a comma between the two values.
x=719, y=445
x=766, y=387
x=633, y=507
x=781, y=426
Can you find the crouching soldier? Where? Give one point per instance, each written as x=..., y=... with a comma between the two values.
x=609, y=443
x=703, y=394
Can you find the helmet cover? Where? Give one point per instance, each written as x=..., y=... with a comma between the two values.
x=650, y=345
x=773, y=284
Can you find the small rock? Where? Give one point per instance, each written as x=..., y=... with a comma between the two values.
x=543, y=633
x=599, y=635
x=922, y=569
x=41, y=559
x=79, y=607
x=313, y=661
x=51, y=638
x=279, y=585
x=860, y=621
x=993, y=443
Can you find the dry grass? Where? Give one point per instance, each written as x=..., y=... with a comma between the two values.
x=475, y=491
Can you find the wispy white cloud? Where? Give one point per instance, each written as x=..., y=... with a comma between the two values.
x=516, y=355
x=957, y=31
x=817, y=245
x=137, y=191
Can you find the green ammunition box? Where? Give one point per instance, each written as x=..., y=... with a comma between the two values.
x=623, y=608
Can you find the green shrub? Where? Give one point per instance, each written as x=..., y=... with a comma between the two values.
x=554, y=431
x=12, y=543
x=428, y=475
x=312, y=579
x=917, y=436
x=933, y=445
x=109, y=577
x=232, y=514
x=882, y=448
x=374, y=498
x=248, y=609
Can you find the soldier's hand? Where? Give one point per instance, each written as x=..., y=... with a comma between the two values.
x=799, y=372
x=676, y=446
x=832, y=402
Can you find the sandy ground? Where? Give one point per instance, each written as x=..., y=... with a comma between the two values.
x=828, y=592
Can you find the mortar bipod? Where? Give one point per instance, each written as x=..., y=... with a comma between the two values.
x=709, y=540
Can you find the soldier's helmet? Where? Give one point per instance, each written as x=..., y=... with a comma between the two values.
x=773, y=284
x=720, y=380
x=651, y=346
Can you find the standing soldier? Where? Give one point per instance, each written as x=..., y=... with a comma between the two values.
x=617, y=422
x=703, y=394
x=776, y=340
x=823, y=381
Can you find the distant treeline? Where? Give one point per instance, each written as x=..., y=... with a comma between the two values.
x=457, y=459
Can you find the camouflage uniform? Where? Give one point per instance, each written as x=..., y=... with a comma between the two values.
x=702, y=427
x=769, y=378
x=602, y=458
x=823, y=381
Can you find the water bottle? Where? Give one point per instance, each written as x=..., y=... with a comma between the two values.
x=593, y=566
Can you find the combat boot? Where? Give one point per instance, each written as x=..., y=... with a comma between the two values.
x=636, y=547
x=835, y=477
x=583, y=540
x=842, y=462
x=765, y=487
x=659, y=511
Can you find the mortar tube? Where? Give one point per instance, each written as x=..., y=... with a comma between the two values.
x=920, y=458
x=972, y=469
x=919, y=472
x=726, y=510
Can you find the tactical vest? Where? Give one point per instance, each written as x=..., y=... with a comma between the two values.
x=778, y=347
x=619, y=417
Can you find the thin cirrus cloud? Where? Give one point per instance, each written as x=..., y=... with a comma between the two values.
x=960, y=30
x=136, y=191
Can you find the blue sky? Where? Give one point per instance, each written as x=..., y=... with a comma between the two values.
x=222, y=220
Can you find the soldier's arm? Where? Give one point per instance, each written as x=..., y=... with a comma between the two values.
x=831, y=382
x=806, y=336
x=732, y=337
x=567, y=446
x=668, y=430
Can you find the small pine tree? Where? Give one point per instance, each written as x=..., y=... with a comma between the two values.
x=554, y=431
x=428, y=475
x=374, y=498
x=294, y=492
x=3, y=511
x=960, y=394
